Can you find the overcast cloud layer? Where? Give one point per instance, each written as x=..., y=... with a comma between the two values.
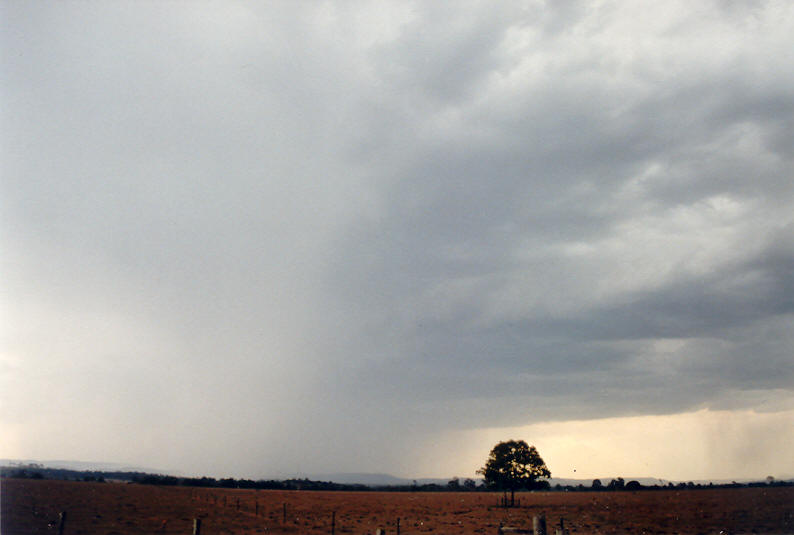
x=314, y=236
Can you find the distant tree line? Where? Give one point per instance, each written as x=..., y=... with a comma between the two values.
x=297, y=484
x=454, y=485
x=230, y=483
x=619, y=484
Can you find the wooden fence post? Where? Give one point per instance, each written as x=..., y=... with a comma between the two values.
x=398, y=526
x=561, y=530
x=284, y=514
x=539, y=524
x=196, y=526
x=61, y=522
x=238, y=504
x=257, y=509
x=333, y=522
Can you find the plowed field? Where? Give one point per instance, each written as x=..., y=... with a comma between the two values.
x=32, y=506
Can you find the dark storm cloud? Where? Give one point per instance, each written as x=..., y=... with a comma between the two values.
x=471, y=221
x=281, y=223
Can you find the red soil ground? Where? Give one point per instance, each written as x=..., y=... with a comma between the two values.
x=29, y=506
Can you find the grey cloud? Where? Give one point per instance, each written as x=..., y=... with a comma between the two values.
x=443, y=56
x=456, y=217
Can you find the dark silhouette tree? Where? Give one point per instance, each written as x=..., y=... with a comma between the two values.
x=513, y=465
x=633, y=485
x=597, y=485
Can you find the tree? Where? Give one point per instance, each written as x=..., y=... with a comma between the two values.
x=597, y=485
x=633, y=485
x=513, y=465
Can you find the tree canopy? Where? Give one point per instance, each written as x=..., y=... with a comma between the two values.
x=513, y=465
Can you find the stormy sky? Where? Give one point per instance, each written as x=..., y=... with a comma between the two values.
x=311, y=237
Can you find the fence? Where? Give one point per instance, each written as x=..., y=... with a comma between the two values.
x=538, y=527
x=208, y=512
x=538, y=524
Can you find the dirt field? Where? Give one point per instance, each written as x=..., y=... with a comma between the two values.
x=29, y=506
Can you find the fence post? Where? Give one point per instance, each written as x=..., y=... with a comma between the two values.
x=539, y=524
x=398, y=526
x=61, y=522
x=257, y=509
x=284, y=514
x=561, y=530
x=238, y=504
x=333, y=522
x=196, y=526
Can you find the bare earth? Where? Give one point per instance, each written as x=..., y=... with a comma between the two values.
x=32, y=506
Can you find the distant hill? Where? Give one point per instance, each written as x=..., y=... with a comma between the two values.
x=88, y=466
